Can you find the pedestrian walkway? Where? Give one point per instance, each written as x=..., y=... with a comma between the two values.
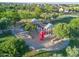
x=36, y=44
x=41, y=45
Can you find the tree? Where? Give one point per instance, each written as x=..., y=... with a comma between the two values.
x=74, y=25
x=61, y=30
x=12, y=46
x=32, y=15
x=38, y=11
x=54, y=15
x=4, y=23
x=48, y=8
x=29, y=26
x=12, y=15
x=72, y=52
x=24, y=14
x=44, y=16
x=32, y=7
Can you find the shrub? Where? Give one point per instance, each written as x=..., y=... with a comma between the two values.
x=4, y=23
x=72, y=52
x=54, y=15
x=12, y=15
x=12, y=46
x=38, y=11
x=61, y=30
x=29, y=26
x=24, y=14
x=74, y=25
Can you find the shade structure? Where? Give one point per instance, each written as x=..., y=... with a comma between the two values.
x=48, y=26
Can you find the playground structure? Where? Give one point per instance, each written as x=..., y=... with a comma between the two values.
x=47, y=28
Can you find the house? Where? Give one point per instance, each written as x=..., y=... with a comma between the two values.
x=66, y=11
x=61, y=9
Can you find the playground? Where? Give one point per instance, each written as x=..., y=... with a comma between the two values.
x=48, y=42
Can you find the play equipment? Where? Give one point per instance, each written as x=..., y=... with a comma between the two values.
x=48, y=29
x=48, y=26
x=35, y=21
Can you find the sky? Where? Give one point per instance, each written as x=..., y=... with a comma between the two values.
x=39, y=0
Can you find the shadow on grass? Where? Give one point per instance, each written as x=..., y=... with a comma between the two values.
x=63, y=20
x=74, y=42
x=5, y=34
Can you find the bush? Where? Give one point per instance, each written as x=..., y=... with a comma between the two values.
x=27, y=15
x=12, y=47
x=4, y=23
x=29, y=26
x=72, y=52
x=12, y=15
x=54, y=15
x=61, y=30
x=24, y=14
x=74, y=25
x=38, y=11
